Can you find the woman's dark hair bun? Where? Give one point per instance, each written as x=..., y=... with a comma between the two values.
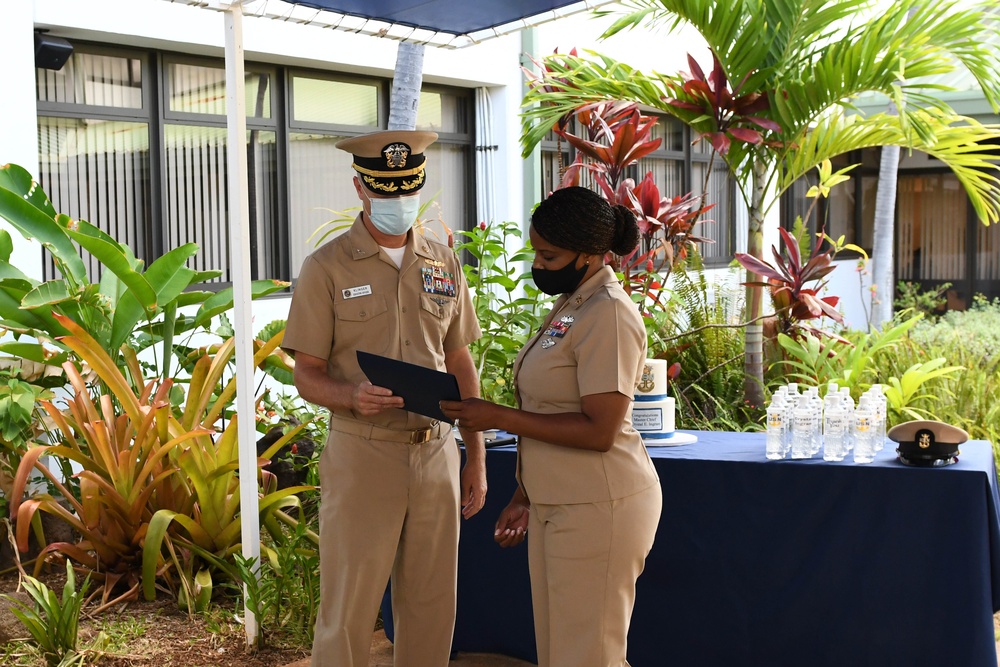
x=626, y=236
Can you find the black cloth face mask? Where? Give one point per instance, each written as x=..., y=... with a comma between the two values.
x=559, y=281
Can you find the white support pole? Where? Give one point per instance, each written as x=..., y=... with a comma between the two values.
x=239, y=260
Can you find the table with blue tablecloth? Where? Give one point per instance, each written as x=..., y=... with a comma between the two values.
x=770, y=563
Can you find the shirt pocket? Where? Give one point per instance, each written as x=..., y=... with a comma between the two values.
x=362, y=323
x=436, y=314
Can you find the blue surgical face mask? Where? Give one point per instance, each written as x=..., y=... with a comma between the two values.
x=394, y=216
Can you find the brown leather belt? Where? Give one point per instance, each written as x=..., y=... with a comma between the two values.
x=372, y=432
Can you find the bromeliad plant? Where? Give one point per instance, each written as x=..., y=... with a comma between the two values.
x=148, y=479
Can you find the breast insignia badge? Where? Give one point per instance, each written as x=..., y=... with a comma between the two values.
x=437, y=281
x=547, y=343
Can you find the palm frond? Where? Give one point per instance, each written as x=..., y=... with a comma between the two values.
x=963, y=144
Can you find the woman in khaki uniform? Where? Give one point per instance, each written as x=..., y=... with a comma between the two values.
x=587, y=490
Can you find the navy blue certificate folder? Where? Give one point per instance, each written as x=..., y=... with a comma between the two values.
x=421, y=388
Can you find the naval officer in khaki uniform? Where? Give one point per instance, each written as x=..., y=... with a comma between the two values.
x=588, y=493
x=392, y=490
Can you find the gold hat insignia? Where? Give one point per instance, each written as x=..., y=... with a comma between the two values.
x=395, y=155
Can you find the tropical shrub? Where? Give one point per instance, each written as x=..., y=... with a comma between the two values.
x=149, y=480
x=53, y=623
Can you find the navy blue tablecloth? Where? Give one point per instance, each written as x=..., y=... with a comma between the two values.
x=772, y=563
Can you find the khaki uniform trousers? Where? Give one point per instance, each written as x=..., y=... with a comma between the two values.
x=584, y=560
x=387, y=508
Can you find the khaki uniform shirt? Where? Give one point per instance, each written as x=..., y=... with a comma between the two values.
x=592, y=342
x=350, y=296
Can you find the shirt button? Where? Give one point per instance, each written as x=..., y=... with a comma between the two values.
x=407, y=342
x=362, y=313
x=404, y=309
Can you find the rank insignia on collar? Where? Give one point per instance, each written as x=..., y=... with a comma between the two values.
x=578, y=300
x=547, y=343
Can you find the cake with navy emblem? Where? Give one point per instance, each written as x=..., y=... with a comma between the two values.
x=653, y=411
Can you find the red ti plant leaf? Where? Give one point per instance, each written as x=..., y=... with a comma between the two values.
x=730, y=112
x=795, y=286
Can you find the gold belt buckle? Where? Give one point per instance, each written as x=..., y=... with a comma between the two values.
x=421, y=436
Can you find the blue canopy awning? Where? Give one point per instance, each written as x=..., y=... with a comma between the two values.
x=442, y=23
x=456, y=17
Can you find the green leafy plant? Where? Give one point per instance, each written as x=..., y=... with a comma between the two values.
x=283, y=592
x=144, y=471
x=127, y=295
x=910, y=296
x=509, y=307
x=19, y=424
x=815, y=360
x=904, y=391
x=53, y=623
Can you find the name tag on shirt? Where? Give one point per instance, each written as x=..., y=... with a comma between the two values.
x=361, y=290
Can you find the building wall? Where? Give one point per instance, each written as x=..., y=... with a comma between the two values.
x=158, y=24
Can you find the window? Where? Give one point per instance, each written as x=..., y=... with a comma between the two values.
x=937, y=236
x=153, y=174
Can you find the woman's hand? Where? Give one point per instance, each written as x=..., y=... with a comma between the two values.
x=474, y=414
x=512, y=526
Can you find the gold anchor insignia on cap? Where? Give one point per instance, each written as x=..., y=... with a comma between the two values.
x=925, y=440
x=395, y=155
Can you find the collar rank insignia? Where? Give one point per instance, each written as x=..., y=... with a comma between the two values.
x=578, y=300
x=547, y=343
x=395, y=155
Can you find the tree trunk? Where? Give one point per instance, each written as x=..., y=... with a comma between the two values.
x=406, y=86
x=753, y=368
x=882, y=239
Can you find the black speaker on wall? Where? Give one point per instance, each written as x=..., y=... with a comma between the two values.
x=51, y=52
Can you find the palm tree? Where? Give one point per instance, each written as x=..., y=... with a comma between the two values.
x=798, y=65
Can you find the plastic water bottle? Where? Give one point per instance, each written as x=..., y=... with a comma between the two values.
x=835, y=428
x=815, y=404
x=802, y=432
x=775, y=448
x=881, y=410
x=848, y=404
x=864, y=433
